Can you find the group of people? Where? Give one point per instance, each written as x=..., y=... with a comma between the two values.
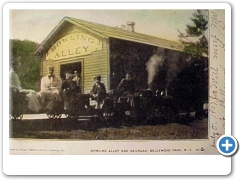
x=52, y=86
x=125, y=88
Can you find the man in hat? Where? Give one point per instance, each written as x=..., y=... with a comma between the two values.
x=126, y=86
x=50, y=88
x=31, y=95
x=98, y=92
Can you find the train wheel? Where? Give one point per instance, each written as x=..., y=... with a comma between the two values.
x=108, y=115
x=53, y=115
x=58, y=116
x=15, y=116
x=107, y=112
x=70, y=116
x=50, y=115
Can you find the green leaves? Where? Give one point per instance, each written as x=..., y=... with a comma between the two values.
x=29, y=65
x=198, y=29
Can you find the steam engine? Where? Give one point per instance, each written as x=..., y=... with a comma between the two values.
x=144, y=105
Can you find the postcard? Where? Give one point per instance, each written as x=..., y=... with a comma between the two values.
x=126, y=82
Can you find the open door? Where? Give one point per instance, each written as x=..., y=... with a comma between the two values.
x=73, y=68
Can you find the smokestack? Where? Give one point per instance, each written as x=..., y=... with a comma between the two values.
x=130, y=26
x=166, y=92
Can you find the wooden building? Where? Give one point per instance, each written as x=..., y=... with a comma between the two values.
x=94, y=49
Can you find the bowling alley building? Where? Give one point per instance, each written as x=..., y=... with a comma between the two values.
x=93, y=49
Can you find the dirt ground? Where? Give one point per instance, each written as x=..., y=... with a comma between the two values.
x=95, y=129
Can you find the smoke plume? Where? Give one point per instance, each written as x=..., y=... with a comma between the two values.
x=153, y=66
x=173, y=62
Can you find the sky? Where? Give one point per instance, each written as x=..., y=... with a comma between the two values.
x=36, y=24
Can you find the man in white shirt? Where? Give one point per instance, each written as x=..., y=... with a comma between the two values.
x=50, y=88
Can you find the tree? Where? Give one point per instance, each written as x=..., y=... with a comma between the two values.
x=195, y=40
x=29, y=65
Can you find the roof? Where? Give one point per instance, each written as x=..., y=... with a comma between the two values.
x=108, y=31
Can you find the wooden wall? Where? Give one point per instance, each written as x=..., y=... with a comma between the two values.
x=96, y=63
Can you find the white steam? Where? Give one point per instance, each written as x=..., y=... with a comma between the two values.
x=153, y=66
x=174, y=62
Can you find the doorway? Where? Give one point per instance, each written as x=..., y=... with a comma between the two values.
x=72, y=67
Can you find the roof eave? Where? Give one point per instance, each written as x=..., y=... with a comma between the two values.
x=43, y=46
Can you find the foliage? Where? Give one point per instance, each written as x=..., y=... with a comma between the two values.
x=197, y=30
x=127, y=55
x=29, y=65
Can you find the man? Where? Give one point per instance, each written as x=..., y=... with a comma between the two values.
x=68, y=85
x=77, y=79
x=126, y=86
x=98, y=92
x=31, y=95
x=69, y=89
x=50, y=88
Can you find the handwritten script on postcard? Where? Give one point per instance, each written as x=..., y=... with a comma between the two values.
x=216, y=75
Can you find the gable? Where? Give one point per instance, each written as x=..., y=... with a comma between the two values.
x=66, y=32
x=104, y=31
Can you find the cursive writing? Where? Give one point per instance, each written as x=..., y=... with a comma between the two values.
x=216, y=23
x=217, y=42
x=214, y=137
x=216, y=77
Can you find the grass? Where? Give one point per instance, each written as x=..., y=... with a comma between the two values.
x=95, y=130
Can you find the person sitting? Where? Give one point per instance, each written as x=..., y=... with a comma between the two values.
x=98, y=92
x=127, y=87
x=50, y=88
x=31, y=95
x=69, y=89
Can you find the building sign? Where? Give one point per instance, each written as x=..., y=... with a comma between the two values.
x=75, y=44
